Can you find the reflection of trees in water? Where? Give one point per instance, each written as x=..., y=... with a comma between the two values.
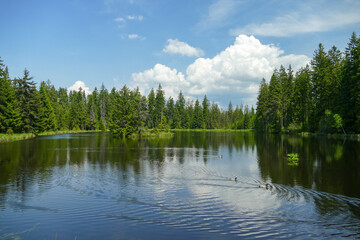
x=328, y=165
x=21, y=161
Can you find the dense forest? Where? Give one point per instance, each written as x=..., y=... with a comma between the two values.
x=323, y=97
x=24, y=107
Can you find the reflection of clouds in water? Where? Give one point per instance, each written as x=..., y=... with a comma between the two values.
x=237, y=195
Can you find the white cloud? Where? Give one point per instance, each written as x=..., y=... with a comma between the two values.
x=171, y=80
x=305, y=21
x=134, y=36
x=235, y=72
x=119, y=19
x=134, y=17
x=177, y=47
x=122, y=21
x=77, y=85
x=218, y=13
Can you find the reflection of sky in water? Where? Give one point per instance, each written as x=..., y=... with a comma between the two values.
x=93, y=189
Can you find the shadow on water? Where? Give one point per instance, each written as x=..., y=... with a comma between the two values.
x=87, y=185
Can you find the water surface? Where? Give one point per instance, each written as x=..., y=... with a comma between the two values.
x=93, y=186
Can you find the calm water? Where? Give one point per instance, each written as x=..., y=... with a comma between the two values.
x=92, y=186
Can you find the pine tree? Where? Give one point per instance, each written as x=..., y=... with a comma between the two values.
x=321, y=86
x=63, y=116
x=159, y=105
x=181, y=113
x=350, y=86
x=104, y=107
x=47, y=118
x=10, y=120
x=301, y=98
x=197, y=120
x=205, y=107
x=275, y=104
x=28, y=100
x=170, y=111
x=151, y=109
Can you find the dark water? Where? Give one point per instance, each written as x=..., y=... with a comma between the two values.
x=92, y=186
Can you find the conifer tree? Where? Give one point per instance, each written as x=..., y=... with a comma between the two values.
x=159, y=105
x=151, y=109
x=197, y=120
x=47, y=118
x=205, y=107
x=10, y=120
x=28, y=100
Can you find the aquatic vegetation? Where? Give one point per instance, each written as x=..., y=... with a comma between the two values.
x=293, y=159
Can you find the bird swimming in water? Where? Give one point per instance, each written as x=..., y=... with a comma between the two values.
x=220, y=156
x=266, y=186
x=233, y=179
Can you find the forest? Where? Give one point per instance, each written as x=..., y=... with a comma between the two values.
x=26, y=108
x=323, y=97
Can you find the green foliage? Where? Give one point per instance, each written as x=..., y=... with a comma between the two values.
x=293, y=159
x=331, y=123
x=325, y=98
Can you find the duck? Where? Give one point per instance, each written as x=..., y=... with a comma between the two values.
x=220, y=156
x=266, y=186
x=233, y=179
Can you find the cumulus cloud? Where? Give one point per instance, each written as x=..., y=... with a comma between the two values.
x=235, y=72
x=77, y=85
x=171, y=80
x=175, y=46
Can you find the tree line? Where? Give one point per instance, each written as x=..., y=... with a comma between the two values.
x=322, y=97
x=26, y=108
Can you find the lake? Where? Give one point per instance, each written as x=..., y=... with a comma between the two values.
x=94, y=186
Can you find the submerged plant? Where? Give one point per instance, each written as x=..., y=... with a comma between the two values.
x=293, y=159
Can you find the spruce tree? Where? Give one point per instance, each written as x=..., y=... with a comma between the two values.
x=28, y=100
x=46, y=118
x=10, y=120
x=197, y=120
x=159, y=105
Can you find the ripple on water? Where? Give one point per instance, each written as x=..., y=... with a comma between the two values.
x=190, y=202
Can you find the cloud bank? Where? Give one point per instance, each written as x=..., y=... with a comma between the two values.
x=235, y=72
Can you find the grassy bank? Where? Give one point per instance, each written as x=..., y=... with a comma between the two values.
x=331, y=135
x=23, y=136
x=212, y=130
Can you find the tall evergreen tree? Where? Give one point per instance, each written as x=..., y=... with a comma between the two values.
x=205, y=107
x=47, y=118
x=301, y=98
x=275, y=104
x=28, y=100
x=159, y=105
x=197, y=120
x=151, y=109
x=10, y=119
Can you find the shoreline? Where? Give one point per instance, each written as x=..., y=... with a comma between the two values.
x=24, y=136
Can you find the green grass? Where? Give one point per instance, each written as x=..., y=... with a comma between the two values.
x=212, y=130
x=23, y=136
x=15, y=137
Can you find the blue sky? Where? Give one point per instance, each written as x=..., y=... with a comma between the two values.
x=221, y=48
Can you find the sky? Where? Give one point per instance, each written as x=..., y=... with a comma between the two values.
x=218, y=48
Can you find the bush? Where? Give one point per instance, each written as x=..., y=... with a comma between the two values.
x=293, y=159
x=10, y=131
